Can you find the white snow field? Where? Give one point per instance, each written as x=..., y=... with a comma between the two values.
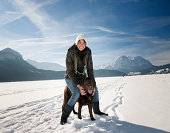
x=135, y=104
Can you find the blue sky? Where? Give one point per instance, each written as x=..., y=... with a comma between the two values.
x=43, y=30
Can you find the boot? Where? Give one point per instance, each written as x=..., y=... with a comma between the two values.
x=96, y=109
x=65, y=114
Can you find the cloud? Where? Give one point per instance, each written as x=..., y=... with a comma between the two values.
x=51, y=35
x=56, y=36
x=160, y=58
x=49, y=28
x=41, y=42
x=109, y=56
x=9, y=16
x=152, y=48
x=108, y=30
x=75, y=34
x=38, y=17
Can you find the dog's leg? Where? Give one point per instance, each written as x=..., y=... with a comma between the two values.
x=74, y=111
x=90, y=112
x=66, y=97
x=64, y=102
x=79, y=111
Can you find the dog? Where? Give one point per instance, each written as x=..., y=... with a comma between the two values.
x=87, y=99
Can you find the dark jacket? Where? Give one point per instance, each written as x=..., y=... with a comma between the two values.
x=70, y=64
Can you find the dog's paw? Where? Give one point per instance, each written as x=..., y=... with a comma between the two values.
x=93, y=119
x=80, y=118
x=75, y=113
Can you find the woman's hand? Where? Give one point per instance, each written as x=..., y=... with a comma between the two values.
x=81, y=89
x=93, y=92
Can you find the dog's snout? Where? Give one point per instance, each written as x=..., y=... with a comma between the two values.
x=90, y=91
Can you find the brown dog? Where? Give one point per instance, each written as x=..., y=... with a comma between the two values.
x=87, y=99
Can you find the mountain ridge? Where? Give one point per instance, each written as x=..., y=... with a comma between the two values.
x=14, y=68
x=46, y=65
x=127, y=64
x=131, y=64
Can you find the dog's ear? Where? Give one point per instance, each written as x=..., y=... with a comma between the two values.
x=88, y=81
x=83, y=82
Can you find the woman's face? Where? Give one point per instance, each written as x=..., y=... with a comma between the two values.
x=81, y=45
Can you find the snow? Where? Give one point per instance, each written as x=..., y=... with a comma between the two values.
x=149, y=97
x=135, y=104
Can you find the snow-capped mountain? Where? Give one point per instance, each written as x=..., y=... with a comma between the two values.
x=127, y=64
x=14, y=68
x=47, y=65
x=132, y=64
x=10, y=54
x=109, y=66
x=11, y=59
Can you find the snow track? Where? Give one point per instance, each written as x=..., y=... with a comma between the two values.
x=25, y=108
x=30, y=117
x=44, y=115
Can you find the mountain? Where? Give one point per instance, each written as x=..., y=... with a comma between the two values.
x=164, y=68
x=132, y=64
x=127, y=64
x=108, y=66
x=9, y=54
x=14, y=68
x=13, y=60
x=47, y=65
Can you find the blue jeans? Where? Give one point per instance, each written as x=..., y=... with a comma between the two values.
x=76, y=93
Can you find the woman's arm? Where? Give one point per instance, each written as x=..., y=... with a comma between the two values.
x=70, y=67
x=90, y=71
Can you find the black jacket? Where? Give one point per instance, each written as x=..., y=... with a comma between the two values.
x=70, y=64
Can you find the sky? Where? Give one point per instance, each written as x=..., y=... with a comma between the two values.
x=43, y=30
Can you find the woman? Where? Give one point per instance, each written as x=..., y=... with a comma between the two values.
x=78, y=60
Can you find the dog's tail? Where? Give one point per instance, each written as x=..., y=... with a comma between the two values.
x=67, y=95
x=67, y=91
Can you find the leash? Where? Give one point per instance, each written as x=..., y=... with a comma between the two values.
x=88, y=97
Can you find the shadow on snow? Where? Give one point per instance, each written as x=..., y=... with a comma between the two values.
x=126, y=127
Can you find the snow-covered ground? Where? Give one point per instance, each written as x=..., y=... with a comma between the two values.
x=135, y=104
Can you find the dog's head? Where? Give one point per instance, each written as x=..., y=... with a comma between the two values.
x=88, y=85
